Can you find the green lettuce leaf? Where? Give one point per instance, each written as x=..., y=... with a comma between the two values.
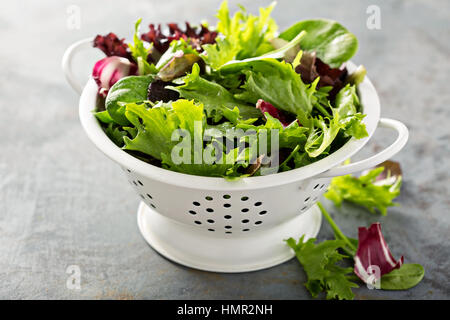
x=275, y=82
x=155, y=129
x=365, y=191
x=345, y=117
x=212, y=95
x=244, y=35
x=140, y=52
x=320, y=264
x=332, y=43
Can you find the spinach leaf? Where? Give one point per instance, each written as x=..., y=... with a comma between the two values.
x=332, y=43
x=408, y=276
x=128, y=89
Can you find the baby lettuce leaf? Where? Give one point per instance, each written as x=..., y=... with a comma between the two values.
x=345, y=118
x=212, y=95
x=366, y=190
x=245, y=35
x=320, y=264
x=128, y=89
x=332, y=42
x=275, y=82
x=408, y=276
x=156, y=126
x=140, y=52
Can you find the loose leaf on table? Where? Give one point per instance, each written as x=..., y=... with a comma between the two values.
x=128, y=89
x=367, y=190
x=406, y=277
x=320, y=264
x=373, y=258
x=333, y=43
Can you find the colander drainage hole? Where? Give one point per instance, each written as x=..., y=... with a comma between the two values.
x=226, y=196
x=149, y=196
x=227, y=217
x=262, y=212
x=197, y=222
x=210, y=210
x=304, y=208
x=306, y=200
x=135, y=183
x=322, y=186
x=245, y=221
x=258, y=222
x=140, y=183
x=244, y=198
x=228, y=227
x=257, y=204
x=152, y=205
x=245, y=210
x=209, y=198
x=192, y=212
x=316, y=186
x=227, y=205
x=212, y=230
x=143, y=198
x=210, y=220
x=195, y=203
x=245, y=230
x=228, y=232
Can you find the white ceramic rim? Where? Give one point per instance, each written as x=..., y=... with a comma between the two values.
x=369, y=100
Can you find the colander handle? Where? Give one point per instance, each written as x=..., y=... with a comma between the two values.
x=67, y=63
x=374, y=160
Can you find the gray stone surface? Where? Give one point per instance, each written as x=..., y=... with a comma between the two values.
x=64, y=203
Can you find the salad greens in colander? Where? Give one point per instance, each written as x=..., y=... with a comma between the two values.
x=243, y=75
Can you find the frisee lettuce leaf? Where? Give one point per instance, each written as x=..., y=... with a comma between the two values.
x=345, y=117
x=365, y=190
x=155, y=127
x=320, y=264
x=140, y=52
x=244, y=36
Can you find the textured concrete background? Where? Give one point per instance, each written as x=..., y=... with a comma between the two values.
x=63, y=203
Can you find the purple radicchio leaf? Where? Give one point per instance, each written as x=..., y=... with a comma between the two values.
x=109, y=70
x=373, y=257
x=265, y=106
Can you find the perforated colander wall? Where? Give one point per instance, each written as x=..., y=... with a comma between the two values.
x=229, y=213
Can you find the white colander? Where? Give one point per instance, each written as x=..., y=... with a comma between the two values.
x=231, y=226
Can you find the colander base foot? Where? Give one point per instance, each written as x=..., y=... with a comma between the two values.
x=192, y=247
